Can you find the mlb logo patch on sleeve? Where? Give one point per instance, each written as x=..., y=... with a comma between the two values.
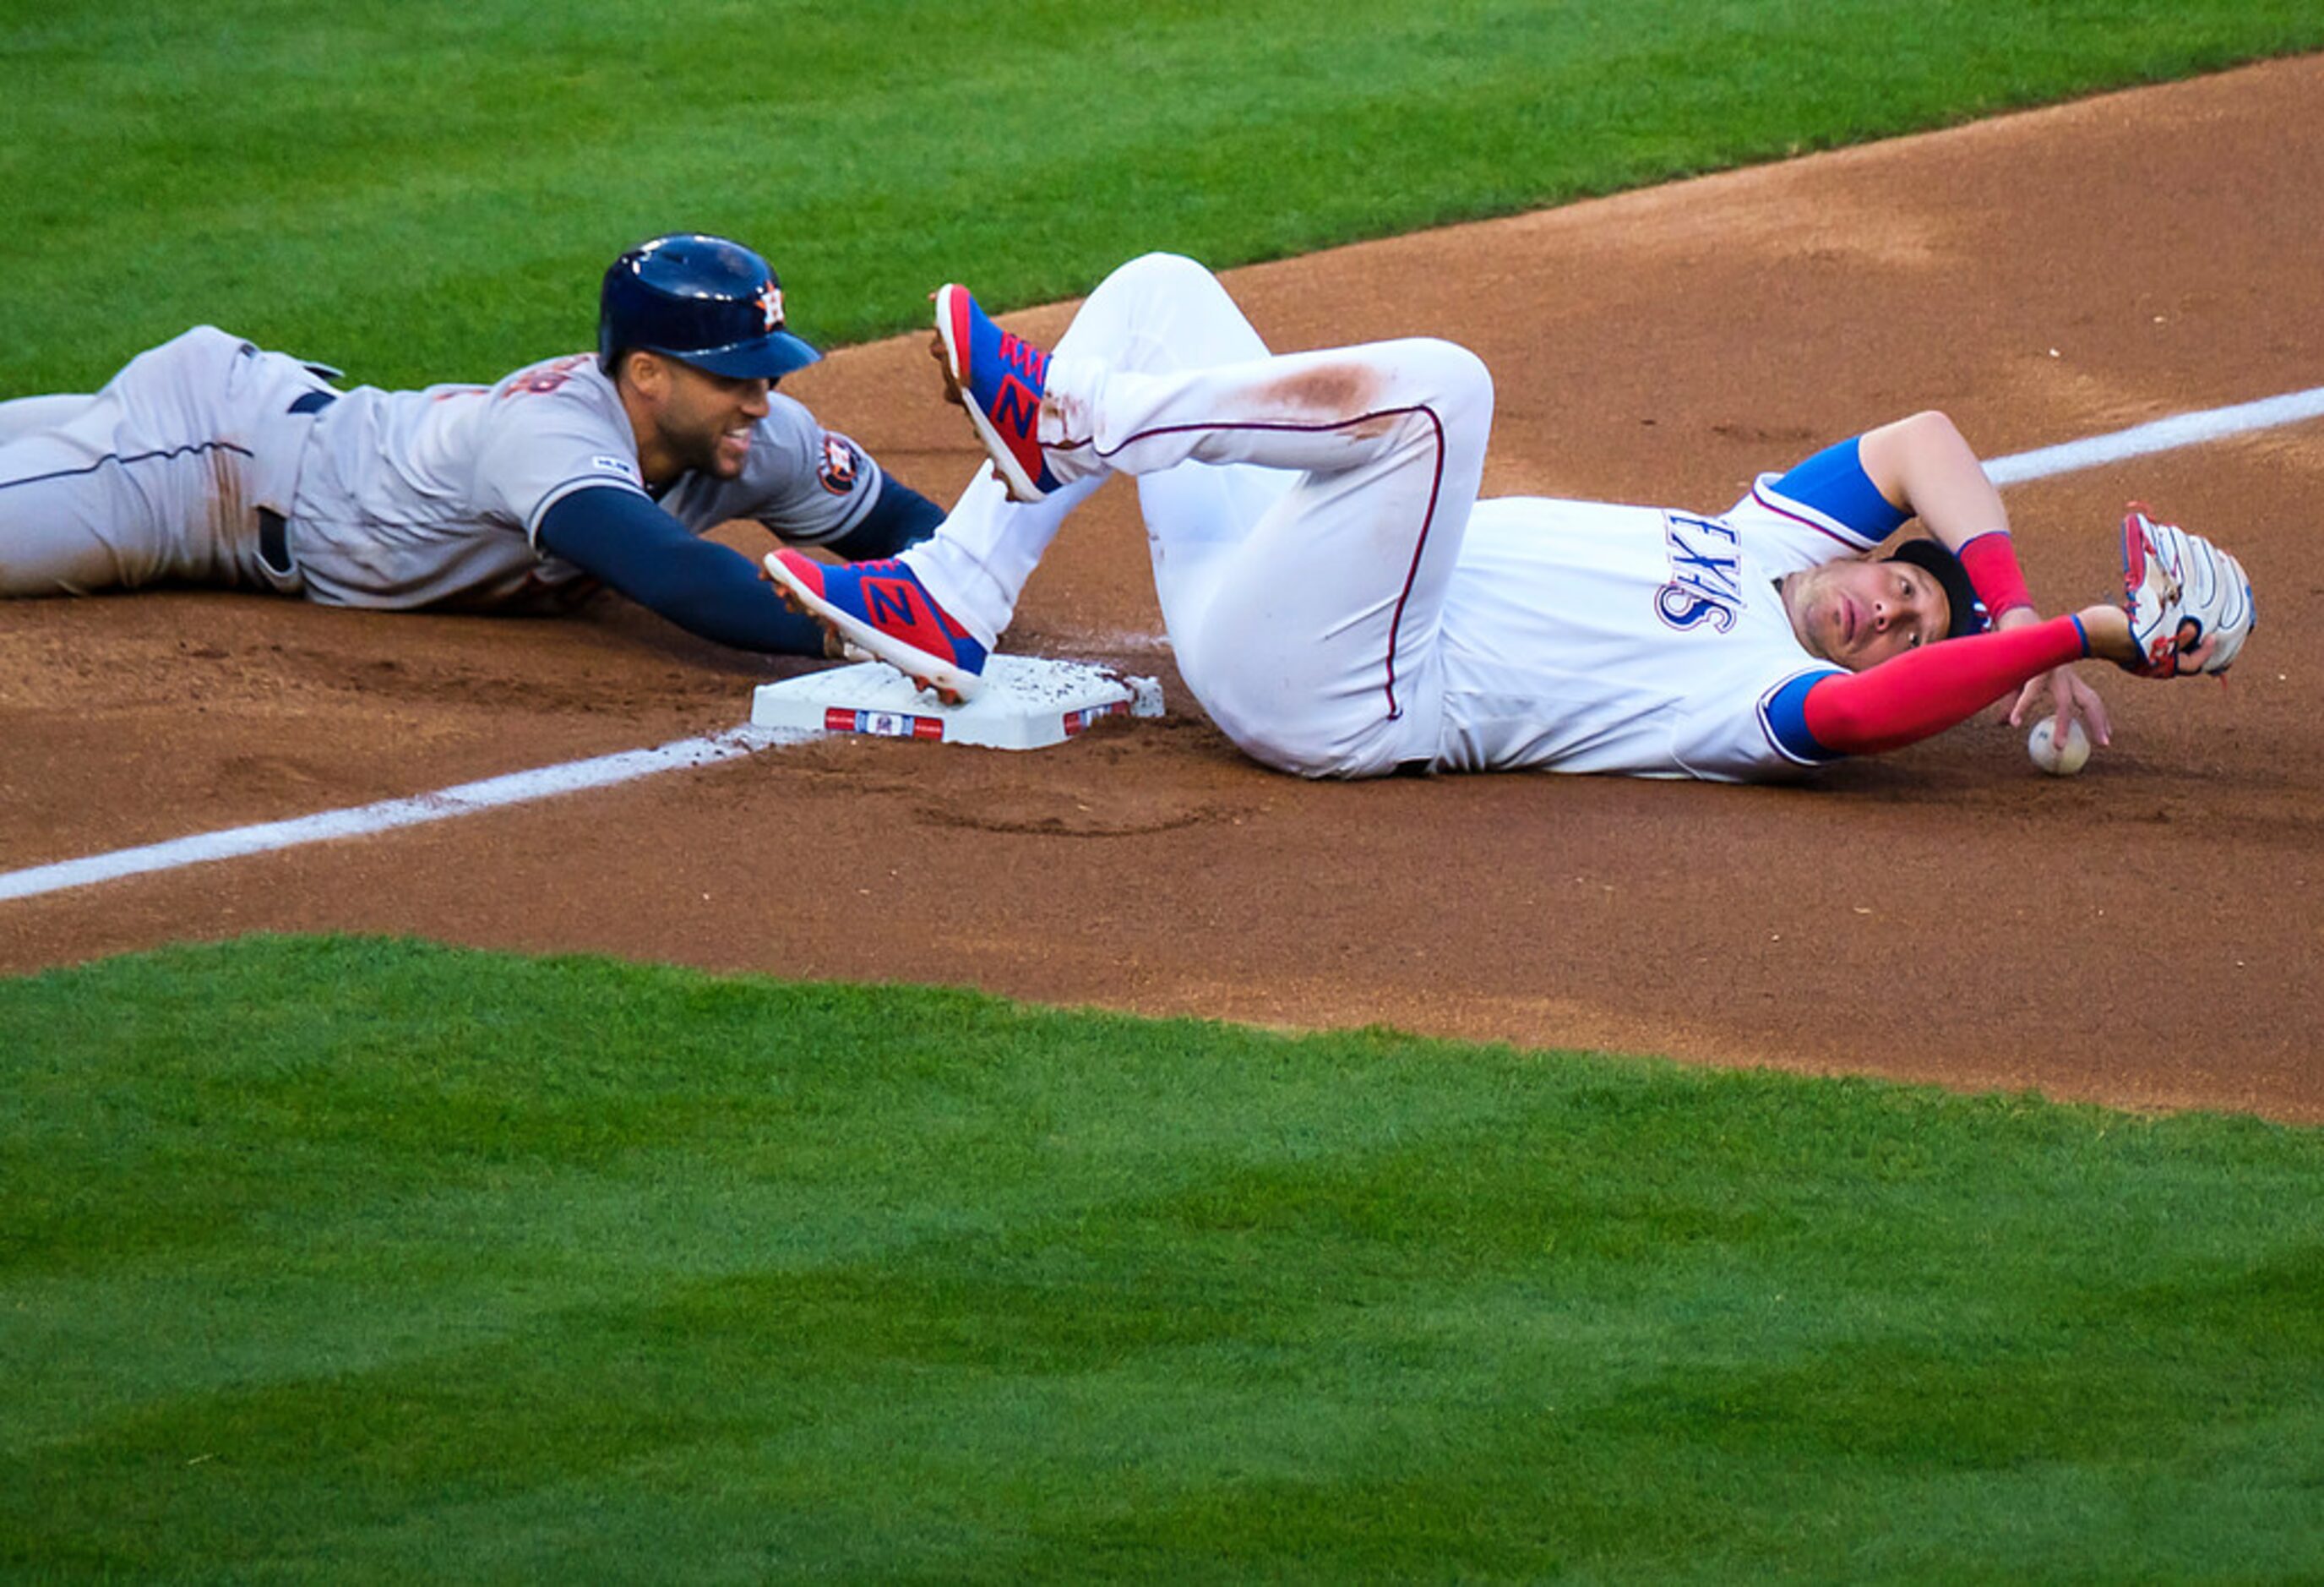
x=606, y=463
x=840, y=464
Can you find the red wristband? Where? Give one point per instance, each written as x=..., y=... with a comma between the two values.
x=1990, y=560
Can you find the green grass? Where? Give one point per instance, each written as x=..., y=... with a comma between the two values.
x=352, y=1261
x=427, y=189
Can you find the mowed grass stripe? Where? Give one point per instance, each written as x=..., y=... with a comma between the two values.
x=427, y=191
x=347, y=1259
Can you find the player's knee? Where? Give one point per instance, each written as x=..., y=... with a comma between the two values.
x=1448, y=380
x=1151, y=280
x=1165, y=273
x=1459, y=374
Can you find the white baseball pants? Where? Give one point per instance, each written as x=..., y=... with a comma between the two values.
x=1304, y=511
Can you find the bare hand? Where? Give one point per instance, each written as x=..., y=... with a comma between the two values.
x=2068, y=698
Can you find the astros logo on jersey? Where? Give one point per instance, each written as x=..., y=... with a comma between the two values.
x=836, y=471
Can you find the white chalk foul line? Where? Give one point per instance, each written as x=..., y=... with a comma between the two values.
x=2164, y=435
x=515, y=788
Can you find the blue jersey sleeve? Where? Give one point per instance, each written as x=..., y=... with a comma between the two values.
x=1784, y=717
x=1834, y=483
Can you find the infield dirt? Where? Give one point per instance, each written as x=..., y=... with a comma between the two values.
x=2147, y=934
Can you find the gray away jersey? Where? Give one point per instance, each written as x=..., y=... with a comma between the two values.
x=434, y=497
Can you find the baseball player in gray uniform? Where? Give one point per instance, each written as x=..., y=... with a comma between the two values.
x=1342, y=604
x=208, y=461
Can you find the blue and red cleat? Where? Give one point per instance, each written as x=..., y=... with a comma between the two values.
x=998, y=377
x=882, y=609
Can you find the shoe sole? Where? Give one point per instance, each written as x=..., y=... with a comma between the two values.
x=949, y=683
x=952, y=302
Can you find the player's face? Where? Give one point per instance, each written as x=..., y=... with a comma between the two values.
x=706, y=420
x=1858, y=614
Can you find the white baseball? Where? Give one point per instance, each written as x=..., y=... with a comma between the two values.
x=2058, y=760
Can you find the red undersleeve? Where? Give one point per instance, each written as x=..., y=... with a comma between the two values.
x=1921, y=692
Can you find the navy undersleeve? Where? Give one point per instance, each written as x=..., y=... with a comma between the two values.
x=706, y=588
x=901, y=517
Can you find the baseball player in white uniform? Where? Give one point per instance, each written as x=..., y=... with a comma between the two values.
x=208, y=461
x=1344, y=605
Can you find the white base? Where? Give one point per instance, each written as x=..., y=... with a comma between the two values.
x=1027, y=703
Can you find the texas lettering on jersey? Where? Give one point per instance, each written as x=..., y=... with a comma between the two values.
x=1705, y=583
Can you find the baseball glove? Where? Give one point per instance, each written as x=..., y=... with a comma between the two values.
x=2184, y=595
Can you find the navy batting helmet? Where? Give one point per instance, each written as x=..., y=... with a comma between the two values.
x=702, y=300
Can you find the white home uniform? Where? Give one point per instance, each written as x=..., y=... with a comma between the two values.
x=1582, y=637
x=1339, y=601
x=208, y=461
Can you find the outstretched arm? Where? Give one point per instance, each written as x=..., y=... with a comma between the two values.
x=706, y=588
x=1923, y=466
x=1924, y=691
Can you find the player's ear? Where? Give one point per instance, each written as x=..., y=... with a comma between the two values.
x=644, y=372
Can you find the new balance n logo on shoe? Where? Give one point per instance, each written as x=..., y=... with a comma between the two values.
x=1017, y=409
x=888, y=603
